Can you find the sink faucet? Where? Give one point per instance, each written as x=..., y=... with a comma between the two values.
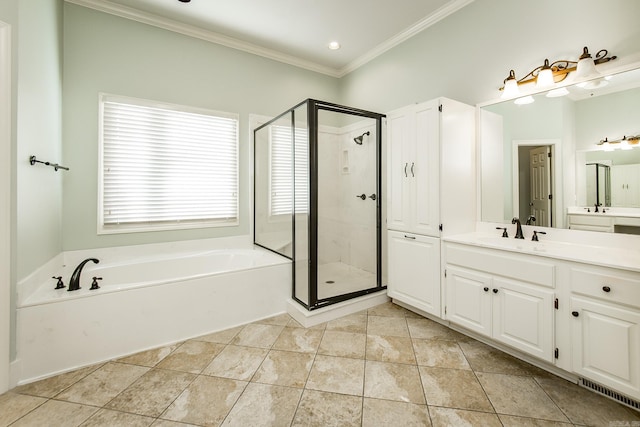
x=74, y=282
x=531, y=219
x=518, y=228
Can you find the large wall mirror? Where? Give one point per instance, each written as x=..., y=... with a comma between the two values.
x=541, y=161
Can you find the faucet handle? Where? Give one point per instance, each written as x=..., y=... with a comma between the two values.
x=60, y=283
x=534, y=238
x=504, y=231
x=94, y=284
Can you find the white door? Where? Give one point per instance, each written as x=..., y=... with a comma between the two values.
x=618, y=186
x=523, y=317
x=400, y=153
x=424, y=169
x=414, y=271
x=606, y=344
x=468, y=299
x=540, y=178
x=633, y=186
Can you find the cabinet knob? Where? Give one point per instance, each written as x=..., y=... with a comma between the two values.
x=575, y=314
x=606, y=288
x=486, y=289
x=495, y=291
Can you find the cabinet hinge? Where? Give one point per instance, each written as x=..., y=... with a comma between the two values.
x=555, y=303
x=550, y=196
x=440, y=227
x=445, y=309
x=440, y=108
x=549, y=154
x=445, y=274
x=556, y=353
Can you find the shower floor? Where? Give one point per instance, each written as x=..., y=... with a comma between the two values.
x=346, y=278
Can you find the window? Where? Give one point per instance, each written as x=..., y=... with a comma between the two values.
x=165, y=166
x=281, y=177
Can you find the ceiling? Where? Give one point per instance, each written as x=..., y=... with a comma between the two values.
x=292, y=31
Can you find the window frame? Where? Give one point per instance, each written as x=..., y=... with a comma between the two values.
x=139, y=227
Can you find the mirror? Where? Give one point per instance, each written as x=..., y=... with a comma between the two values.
x=541, y=160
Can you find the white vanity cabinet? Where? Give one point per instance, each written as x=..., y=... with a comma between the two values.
x=430, y=154
x=605, y=329
x=504, y=296
x=414, y=270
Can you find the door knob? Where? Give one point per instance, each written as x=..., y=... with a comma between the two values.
x=486, y=289
x=495, y=291
x=575, y=314
x=362, y=196
x=373, y=197
x=606, y=288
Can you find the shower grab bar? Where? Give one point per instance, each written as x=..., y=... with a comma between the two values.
x=55, y=166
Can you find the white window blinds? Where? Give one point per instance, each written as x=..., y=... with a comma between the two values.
x=281, y=170
x=166, y=166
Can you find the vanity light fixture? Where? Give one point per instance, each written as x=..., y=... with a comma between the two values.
x=548, y=74
x=626, y=143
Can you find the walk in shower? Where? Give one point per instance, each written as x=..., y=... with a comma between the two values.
x=317, y=199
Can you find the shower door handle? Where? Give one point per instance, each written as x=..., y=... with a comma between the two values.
x=361, y=196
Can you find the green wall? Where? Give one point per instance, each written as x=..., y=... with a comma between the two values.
x=114, y=55
x=468, y=55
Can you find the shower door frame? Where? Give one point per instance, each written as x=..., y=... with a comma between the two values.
x=313, y=108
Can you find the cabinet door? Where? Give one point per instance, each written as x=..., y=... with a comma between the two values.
x=606, y=344
x=625, y=186
x=414, y=271
x=468, y=299
x=633, y=186
x=425, y=169
x=523, y=317
x=400, y=152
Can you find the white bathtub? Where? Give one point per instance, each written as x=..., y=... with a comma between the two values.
x=146, y=300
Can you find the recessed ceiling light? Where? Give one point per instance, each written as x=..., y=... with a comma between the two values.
x=334, y=45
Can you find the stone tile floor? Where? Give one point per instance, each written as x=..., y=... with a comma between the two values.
x=382, y=367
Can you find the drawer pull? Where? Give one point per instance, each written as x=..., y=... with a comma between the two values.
x=606, y=288
x=495, y=291
x=486, y=289
x=575, y=314
x=409, y=237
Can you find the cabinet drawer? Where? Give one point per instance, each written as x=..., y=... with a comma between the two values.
x=598, y=221
x=516, y=266
x=609, y=285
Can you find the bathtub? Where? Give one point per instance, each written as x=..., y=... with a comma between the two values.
x=148, y=297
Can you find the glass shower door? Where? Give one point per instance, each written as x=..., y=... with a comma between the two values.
x=347, y=256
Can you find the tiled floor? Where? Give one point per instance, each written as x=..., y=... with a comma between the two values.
x=383, y=367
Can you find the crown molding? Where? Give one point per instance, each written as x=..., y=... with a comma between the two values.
x=438, y=15
x=200, y=33
x=231, y=42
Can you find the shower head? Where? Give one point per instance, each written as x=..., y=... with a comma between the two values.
x=358, y=139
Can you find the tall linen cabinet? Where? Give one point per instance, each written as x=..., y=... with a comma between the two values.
x=431, y=184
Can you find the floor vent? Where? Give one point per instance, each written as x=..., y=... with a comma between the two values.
x=610, y=393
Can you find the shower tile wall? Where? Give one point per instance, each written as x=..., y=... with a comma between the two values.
x=347, y=224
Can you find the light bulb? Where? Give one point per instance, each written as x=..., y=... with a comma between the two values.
x=562, y=91
x=545, y=76
x=586, y=67
x=511, y=89
x=524, y=100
